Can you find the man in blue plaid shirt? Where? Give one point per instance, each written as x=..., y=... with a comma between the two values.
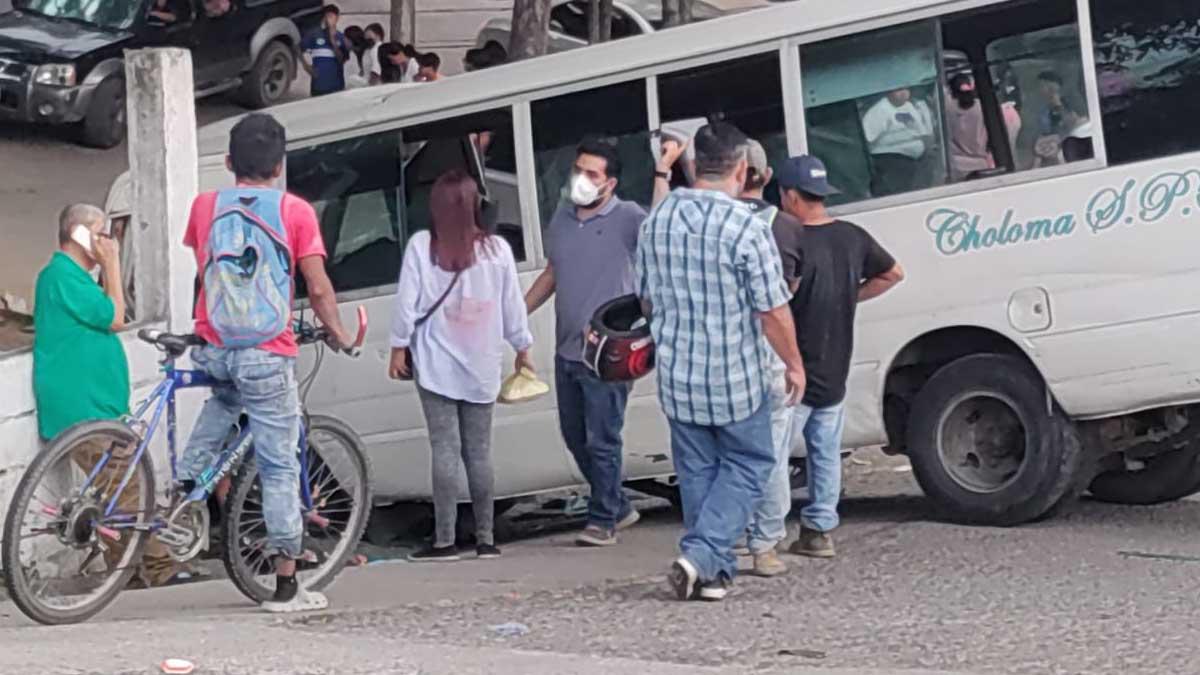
x=709, y=275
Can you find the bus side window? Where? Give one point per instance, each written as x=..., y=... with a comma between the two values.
x=354, y=185
x=745, y=92
x=480, y=144
x=1146, y=53
x=891, y=114
x=1027, y=66
x=372, y=193
x=615, y=113
x=873, y=110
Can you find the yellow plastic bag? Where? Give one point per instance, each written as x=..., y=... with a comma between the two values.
x=522, y=386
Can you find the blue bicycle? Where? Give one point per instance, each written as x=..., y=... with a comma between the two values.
x=86, y=512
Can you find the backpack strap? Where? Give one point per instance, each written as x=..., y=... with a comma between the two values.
x=256, y=220
x=232, y=201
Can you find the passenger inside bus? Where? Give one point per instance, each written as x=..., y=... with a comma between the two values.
x=1058, y=120
x=899, y=132
x=970, y=150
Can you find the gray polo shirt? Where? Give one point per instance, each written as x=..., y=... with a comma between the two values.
x=593, y=263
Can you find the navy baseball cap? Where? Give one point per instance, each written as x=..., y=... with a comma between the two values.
x=806, y=174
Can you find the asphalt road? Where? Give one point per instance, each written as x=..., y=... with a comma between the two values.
x=43, y=171
x=1101, y=589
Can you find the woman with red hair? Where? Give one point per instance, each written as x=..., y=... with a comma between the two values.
x=458, y=302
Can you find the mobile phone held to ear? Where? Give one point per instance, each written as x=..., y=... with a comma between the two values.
x=82, y=236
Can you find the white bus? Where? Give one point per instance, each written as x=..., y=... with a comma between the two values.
x=1042, y=342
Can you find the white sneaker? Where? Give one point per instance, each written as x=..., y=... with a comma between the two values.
x=683, y=578
x=304, y=601
x=715, y=590
x=629, y=520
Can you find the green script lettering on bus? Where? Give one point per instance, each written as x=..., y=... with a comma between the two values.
x=957, y=231
x=1160, y=196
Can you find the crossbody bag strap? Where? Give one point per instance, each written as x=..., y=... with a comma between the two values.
x=439, y=301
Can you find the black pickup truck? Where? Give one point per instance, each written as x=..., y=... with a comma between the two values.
x=61, y=60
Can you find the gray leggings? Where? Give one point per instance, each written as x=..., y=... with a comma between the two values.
x=459, y=428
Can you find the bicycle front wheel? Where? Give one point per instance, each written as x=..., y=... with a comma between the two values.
x=64, y=559
x=338, y=479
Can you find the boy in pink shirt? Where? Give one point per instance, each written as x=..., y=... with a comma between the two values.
x=258, y=376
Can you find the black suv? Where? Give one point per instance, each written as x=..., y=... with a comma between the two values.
x=60, y=60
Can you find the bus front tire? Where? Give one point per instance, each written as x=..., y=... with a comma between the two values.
x=988, y=444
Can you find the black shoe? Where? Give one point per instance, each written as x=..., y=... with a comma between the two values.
x=289, y=597
x=487, y=552
x=286, y=588
x=435, y=554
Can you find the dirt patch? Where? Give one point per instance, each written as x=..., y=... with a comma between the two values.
x=16, y=330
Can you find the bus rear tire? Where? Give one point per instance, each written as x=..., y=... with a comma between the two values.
x=989, y=446
x=1165, y=478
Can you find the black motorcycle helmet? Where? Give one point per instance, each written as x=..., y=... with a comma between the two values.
x=618, y=346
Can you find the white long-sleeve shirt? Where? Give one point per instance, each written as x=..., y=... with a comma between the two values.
x=903, y=130
x=458, y=351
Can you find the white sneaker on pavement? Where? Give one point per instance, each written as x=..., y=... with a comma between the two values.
x=629, y=520
x=683, y=579
x=303, y=601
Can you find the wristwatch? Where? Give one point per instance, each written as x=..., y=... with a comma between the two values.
x=665, y=175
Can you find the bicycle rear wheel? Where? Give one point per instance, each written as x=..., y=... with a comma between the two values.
x=64, y=559
x=338, y=477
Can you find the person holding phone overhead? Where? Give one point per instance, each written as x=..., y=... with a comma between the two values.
x=899, y=134
x=458, y=302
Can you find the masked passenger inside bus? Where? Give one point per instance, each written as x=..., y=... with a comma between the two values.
x=969, y=149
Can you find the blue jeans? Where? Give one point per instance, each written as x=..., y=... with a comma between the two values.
x=722, y=473
x=822, y=429
x=591, y=415
x=264, y=386
x=768, y=525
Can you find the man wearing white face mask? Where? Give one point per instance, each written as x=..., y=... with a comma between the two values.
x=590, y=247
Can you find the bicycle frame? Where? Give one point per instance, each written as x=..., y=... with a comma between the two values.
x=162, y=399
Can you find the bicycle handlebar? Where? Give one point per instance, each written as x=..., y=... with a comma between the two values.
x=307, y=333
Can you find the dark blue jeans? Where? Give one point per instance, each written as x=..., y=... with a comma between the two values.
x=723, y=472
x=591, y=415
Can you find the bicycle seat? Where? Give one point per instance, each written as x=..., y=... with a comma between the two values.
x=174, y=345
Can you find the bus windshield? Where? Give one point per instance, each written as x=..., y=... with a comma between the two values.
x=111, y=14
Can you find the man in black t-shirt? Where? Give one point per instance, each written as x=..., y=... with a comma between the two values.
x=842, y=266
